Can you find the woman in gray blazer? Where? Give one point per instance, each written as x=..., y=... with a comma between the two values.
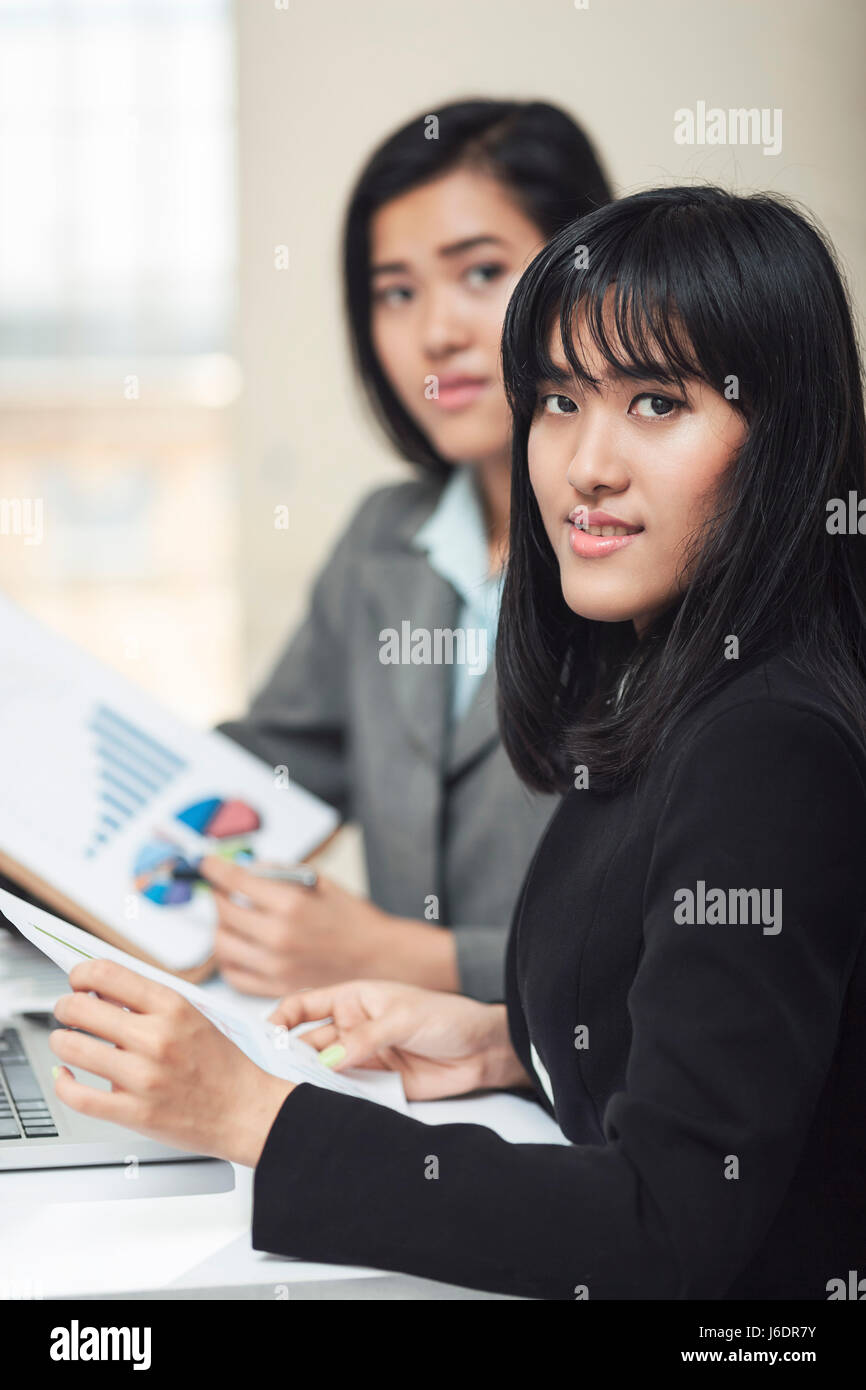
x=384, y=702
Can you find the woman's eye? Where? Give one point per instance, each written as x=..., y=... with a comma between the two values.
x=392, y=294
x=649, y=407
x=480, y=275
x=558, y=405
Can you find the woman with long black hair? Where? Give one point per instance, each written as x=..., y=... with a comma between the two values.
x=384, y=702
x=681, y=655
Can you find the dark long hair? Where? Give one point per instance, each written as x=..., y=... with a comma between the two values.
x=725, y=288
x=536, y=152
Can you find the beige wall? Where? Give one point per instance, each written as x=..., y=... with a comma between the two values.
x=322, y=81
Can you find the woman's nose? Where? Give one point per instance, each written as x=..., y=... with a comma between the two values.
x=445, y=328
x=596, y=461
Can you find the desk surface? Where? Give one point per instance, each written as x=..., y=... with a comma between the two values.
x=198, y=1246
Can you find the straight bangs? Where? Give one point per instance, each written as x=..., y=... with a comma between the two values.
x=631, y=298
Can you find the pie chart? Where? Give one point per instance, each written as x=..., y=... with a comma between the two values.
x=218, y=819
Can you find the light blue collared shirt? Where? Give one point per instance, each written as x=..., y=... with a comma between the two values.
x=455, y=539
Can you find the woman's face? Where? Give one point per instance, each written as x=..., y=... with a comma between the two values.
x=636, y=456
x=445, y=258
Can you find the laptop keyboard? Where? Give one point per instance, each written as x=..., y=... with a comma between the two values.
x=24, y=1111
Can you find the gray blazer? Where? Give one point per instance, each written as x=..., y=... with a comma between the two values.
x=440, y=815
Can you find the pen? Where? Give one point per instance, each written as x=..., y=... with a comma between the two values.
x=280, y=873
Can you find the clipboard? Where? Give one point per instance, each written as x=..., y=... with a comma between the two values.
x=103, y=792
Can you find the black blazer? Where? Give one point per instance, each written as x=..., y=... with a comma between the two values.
x=709, y=1073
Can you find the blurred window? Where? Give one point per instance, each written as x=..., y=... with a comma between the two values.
x=117, y=282
x=116, y=187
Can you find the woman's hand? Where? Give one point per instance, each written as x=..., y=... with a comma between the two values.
x=441, y=1044
x=290, y=937
x=174, y=1077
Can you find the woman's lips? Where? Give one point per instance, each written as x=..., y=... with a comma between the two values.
x=589, y=546
x=459, y=391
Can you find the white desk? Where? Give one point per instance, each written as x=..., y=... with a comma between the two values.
x=198, y=1246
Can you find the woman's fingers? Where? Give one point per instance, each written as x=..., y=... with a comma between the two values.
x=370, y=1042
x=109, y=1021
x=390, y=1059
x=268, y=894
x=387, y=1059
x=320, y=1038
x=308, y=1006
x=127, y=987
x=116, y=1106
x=342, y=1014
x=124, y=1069
x=253, y=925
x=231, y=949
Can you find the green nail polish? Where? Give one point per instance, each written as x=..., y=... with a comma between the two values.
x=55, y=1072
x=332, y=1055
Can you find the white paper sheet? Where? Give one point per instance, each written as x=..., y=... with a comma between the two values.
x=277, y=1051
